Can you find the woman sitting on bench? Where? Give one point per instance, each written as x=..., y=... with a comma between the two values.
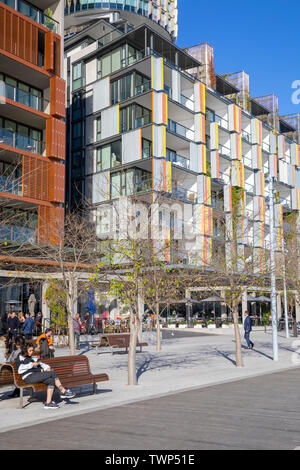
x=33, y=371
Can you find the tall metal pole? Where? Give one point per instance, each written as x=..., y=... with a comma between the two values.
x=273, y=279
x=284, y=292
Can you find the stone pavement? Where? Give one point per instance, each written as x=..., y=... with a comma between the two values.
x=186, y=362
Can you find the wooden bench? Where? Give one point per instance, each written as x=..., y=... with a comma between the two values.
x=72, y=371
x=118, y=341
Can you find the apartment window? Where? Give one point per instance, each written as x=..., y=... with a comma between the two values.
x=21, y=136
x=134, y=116
x=146, y=148
x=133, y=181
x=77, y=106
x=109, y=156
x=77, y=137
x=98, y=128
x=110, y=62
x=78, y=76
x=78, y=165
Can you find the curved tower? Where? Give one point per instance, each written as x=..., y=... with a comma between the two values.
x=161, y=15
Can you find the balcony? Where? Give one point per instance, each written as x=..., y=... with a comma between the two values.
x=185, y=195
x=178, y=160
x=33, y=13
x=246, y=136
x=28, y=99
x=17, y=234
x=213, y=117
x=13, y=139
x=181, y=130
x=187, y=102
x=266, y=147
x=11, y=185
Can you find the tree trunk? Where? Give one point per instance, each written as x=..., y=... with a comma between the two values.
x=134, y=330
x=238, y=347
x=158, y=340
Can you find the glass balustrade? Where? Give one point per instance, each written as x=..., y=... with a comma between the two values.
x=23, y=97
x=13, y=139
x=33, y=13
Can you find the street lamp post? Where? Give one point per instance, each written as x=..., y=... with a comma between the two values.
x=284, y=292
x=273, y=278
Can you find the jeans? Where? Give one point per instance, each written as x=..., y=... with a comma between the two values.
x=77, y=339
x=247, y=338
x=47, y=378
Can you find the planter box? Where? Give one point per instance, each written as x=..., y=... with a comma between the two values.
x=198, y=326
x=182, y=326
x=211, y=327
x=225, y=326
x=172, y=326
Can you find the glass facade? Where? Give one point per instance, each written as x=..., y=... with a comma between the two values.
x=162, y=12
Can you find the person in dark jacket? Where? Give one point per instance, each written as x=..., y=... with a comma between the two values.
x=248, y=329
x=28, y=326
x=12, y=326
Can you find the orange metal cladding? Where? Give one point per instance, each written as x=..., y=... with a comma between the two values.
x=56, y=182
x=35, y=178
x=57, y=97
x=51, y=224
x=55, y=138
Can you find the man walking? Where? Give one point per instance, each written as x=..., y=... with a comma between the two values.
x=28, y=326
x=248, y=329
x=77, y=328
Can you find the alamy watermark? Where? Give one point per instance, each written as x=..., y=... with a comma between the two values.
x=296, y=93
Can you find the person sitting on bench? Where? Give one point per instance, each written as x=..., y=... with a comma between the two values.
x=33, y=371
x=45, y=344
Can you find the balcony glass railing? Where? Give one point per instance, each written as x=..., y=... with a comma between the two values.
x=143, y=186
x=213, y=117
x=17, y=234
x=10, y=185
x=246, y=136
x=132, y=59
x=13, y=139
x=187, y=102
x=266, y=147
x=224, y=150
x=181, y=130
x=143, y=88
x=217, y=203
x=178, y=160
x=184, y=195
x=33, y=13
x=249, y=187
x=23, y=97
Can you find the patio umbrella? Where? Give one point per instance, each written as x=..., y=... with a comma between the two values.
x=251, y=299
x=263, y=299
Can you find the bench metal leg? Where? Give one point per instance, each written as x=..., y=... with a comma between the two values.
x=21, y=398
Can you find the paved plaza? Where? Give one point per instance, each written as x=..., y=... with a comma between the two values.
x=178, y=375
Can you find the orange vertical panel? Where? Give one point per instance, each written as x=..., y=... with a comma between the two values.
x=57, y=97
x=8, y=32
x=49, y=52
x=2, y=28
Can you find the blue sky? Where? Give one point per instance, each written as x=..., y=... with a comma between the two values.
x=260, y=37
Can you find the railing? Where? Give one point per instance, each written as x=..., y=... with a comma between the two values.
x=10, y=185
x=187, y=102
x=33, y=13
x=13, y=139
x=266, y=147
x=23, y=97
x=184, y=195
x=249, y=187
x=181, y=130
x=224, y=151
x=143, y=88
x=15, y=233
x=285, y=203
x=217, y=203
x=132, y=59
x=143, y=186
x=178, y=160
x=212, y=117
x=109, y=37
x=247, y=161
x=246, y=136
x=139, y=122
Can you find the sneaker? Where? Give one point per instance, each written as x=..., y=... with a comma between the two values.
x=51, y=406
x=68, y=394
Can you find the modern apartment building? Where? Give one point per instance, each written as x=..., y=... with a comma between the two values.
x=148, y=117
x=161, y=15
x=32, y=136
x=32, y=112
